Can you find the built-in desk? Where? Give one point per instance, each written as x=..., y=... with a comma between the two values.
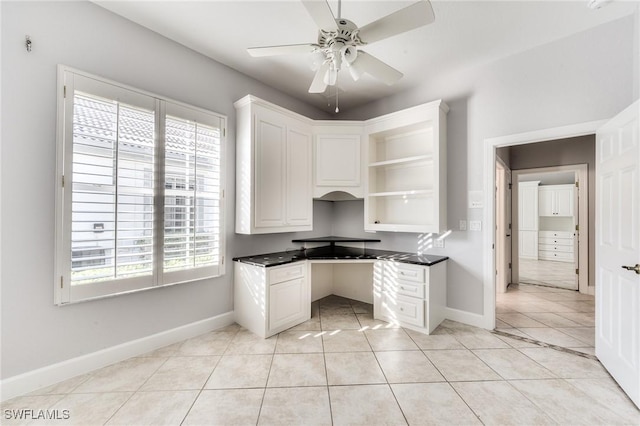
x=274, y=291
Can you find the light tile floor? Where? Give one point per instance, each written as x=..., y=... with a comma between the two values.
x=319, y=374
x=558, y=317
x=548, y=272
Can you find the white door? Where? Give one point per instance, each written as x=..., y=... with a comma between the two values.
x=503, y=227
x=617, y=247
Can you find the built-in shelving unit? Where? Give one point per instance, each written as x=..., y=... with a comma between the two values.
x=406, y=188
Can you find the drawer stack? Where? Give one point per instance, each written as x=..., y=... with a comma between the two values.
x=556, y=245
x=413, y=296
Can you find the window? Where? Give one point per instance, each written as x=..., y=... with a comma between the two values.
x=140, y=200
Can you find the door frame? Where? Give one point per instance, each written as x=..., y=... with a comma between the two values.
x=582, y=213
x=490, y=147
x=504, y=212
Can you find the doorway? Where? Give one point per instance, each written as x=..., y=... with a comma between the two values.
x=543, y=303
x=548, y=219
x=553, y=315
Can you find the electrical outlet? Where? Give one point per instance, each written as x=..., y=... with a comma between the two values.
x=438, y=243
x=475, y=225
x=463, y=225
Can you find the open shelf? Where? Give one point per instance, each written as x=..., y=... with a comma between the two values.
x=406, y=187
x=402, y=161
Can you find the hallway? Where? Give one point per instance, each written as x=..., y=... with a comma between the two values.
x=554, y=316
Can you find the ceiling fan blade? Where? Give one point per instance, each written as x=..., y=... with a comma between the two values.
x=375, y=67
x=403, y=20
x=321, y=14
x=318, y=85
x=288, y=49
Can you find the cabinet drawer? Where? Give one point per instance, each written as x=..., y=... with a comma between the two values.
x=556, y=241
x=404, y=309
x=551, y=255
x=286, y=273
x=408, y=272
x=555, y=234
x=406, y=288
x=556, y=248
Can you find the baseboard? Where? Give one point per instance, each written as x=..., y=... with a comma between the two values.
x=55, y=373
x=465, y=317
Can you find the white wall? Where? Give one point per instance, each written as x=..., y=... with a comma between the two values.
x=35, y=333
x=588, y=76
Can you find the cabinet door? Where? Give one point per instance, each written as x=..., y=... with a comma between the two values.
x=528, y=206
x=564, y=201
x=546, y=202
x=270, y=169
x=529, y=244
x=287, y=303
x=299, y=197
x=337, y=160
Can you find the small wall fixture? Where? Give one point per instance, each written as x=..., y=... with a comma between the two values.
x=27, y=43
x=597, y=4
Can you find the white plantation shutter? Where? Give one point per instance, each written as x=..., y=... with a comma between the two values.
x=192, y=192
x=112, y=190
x=142, y=201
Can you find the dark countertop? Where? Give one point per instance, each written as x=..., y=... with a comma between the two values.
x=339, y=253
x=333, y=239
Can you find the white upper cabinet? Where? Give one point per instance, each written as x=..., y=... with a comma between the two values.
x=556, y=200
x=273, y=170
x=338, y=160
x=406, y=166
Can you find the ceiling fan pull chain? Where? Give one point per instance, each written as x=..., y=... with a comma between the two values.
x=336, y=86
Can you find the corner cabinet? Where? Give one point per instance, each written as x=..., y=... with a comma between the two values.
x=338, y=160
x=406, y=166
x=273, y=169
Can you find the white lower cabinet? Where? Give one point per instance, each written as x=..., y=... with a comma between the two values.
x=287, y=303
x=556, y=245
x=413, y=296
x=528, y=244
x=270, y=300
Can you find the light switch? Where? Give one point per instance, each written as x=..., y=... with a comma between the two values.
x=463, y=225
x=475, y=225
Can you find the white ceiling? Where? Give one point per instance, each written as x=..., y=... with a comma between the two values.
x=465, y=34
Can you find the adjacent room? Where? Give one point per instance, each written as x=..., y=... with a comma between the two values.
x=320, y=212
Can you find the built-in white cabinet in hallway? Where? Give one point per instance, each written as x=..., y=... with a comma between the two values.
x=273, y=169
x=528, y=219
x=556, y=200
x=338, y=160
x=406, y=161
x=556, y=245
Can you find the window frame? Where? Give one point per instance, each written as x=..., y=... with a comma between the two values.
x=68, y=80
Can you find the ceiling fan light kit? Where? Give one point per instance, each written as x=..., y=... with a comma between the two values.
x=340, y=41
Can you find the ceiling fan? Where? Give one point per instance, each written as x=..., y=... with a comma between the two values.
x=340, y=41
